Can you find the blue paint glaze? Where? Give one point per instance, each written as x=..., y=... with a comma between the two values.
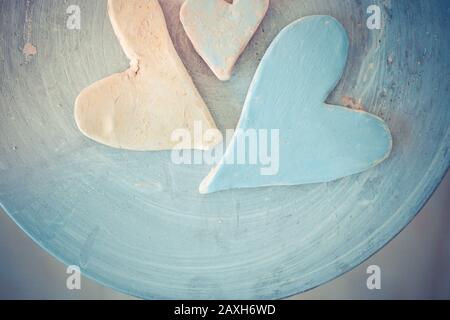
x=318, y=142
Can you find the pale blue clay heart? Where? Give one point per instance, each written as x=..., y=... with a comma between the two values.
x=317, y=142
x=220, y=30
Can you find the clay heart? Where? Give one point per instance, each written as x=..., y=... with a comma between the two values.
x=316, y=142
x=140, y=108
x=220, y=30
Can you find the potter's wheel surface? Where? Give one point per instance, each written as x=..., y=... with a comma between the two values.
x=135, y=221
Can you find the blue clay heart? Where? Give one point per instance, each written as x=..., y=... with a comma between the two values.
x=316, y=142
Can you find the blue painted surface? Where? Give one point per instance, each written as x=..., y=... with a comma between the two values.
x=135, y=222
x=318, y=142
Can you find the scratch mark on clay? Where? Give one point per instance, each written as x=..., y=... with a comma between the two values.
x=86, y=249
x=170, y=182
x=238, y=209
x=29, y=50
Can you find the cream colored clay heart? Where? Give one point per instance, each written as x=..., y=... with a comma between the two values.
x=140, y=109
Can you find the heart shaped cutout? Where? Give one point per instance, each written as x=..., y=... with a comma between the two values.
x=316, y=142
x=141, y=108
x=220, y=31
